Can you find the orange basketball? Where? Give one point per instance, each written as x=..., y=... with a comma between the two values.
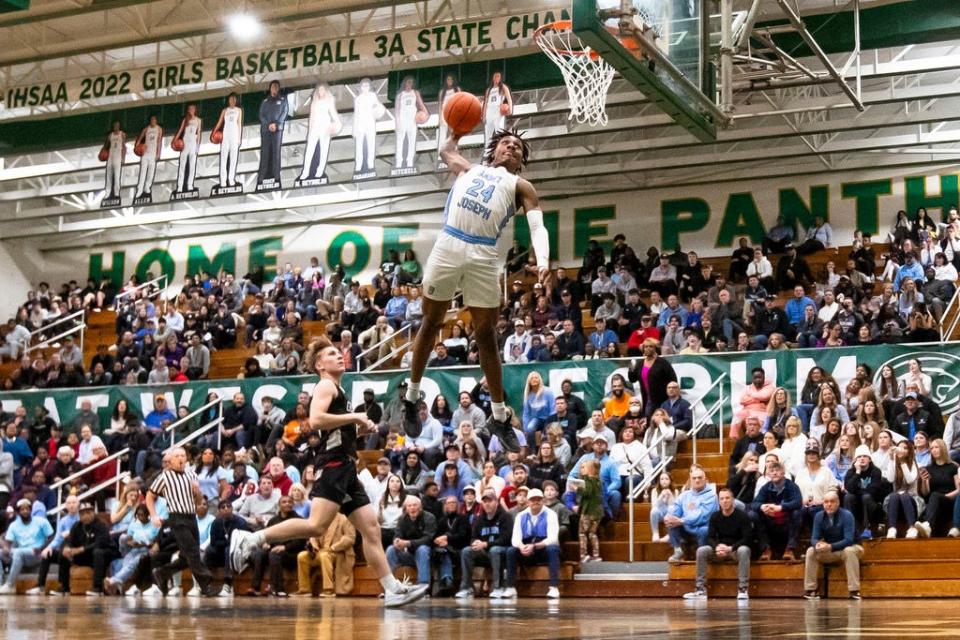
x=505, y=109
x=216, y=137
x=140, y=149
x=462, y=112
x=422, y=117
x=177, y=144
x=104, y=155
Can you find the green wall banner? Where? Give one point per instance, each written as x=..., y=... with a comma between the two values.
x=590, y=378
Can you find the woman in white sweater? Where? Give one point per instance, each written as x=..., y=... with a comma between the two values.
x=814, y=479
x=905, y=499
x=794, y=446
x=883, y=455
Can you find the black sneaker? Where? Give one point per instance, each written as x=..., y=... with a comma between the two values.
x=855, y=595
x=811, y=595
x=161, y=581
x=411, y=421
x=504, y=432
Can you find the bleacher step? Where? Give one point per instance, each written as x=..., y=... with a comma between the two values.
x=623, y=571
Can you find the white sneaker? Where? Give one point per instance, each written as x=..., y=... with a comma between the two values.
x=134, y=591
x=892, y=533
x=953, y=533
x=654, y=538
x=241, y=547
x=194, y=591
x=923, y=528
x=743, y=594
x=584, y=559
x=36, y=591
x=175, y=591
x=677, y=555
x=465, y=594
x=698, y=594
x=407, y=594
x=94, y=594
x=226, y=591
x=152, y=592
x=553, y=593
x=509, y=593
x=7, y=590
x=911, y=533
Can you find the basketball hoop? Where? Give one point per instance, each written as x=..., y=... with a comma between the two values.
x=586, y=74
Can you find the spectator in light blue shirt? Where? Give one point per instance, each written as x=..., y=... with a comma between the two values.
x=396, y=310
x=22, y=544
x=673, y=308
x=602, y=336
x=204, y=520
x=70, y=517
x=910, y=269
x=134, y=545
x=795, y=305
x=427, y=444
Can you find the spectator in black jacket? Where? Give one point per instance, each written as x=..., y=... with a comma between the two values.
x=771, y=319
x=679, y=410
x=239, y=422
x=575, y=405
x=223, y=328
x=660, y=374
x=218, y=548
x=276, y=556
x=778, y=506
x=453, y=534
x=935, y=423
x=89, y=545
x=571, y=341
x=865, y=490
x=914, y=418
x=728, y=539
x=489, y=540
x=751, y=440
x=413, y=539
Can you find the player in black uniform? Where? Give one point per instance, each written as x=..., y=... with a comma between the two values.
x=336, y=487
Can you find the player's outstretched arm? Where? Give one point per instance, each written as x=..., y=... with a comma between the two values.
x=451, y=156
x=539, y=237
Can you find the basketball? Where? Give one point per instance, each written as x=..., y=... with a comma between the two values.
x=422, y=117
x=177, y=144
x=104, y=155
x=216, y=137
x=505, y=109
x=139, y=149
x=462, y=112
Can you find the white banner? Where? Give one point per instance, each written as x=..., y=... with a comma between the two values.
x=277, y=63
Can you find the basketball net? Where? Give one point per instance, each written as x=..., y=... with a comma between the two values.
x=586, y=74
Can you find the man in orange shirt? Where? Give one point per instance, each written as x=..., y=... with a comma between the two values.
x=619, y=401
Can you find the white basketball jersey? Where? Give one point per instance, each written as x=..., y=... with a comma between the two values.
x=493, y=101
x=320, y=110
x=116, y=141
x=231, y=120
x=150, y=140
x=408, y=104
x=190, y=132
x=480, y=204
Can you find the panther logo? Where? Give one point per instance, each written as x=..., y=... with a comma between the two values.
x=943, y=368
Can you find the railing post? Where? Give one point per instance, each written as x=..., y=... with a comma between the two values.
x=59, y=501
x=220, y=427
x=630, y=516
x=723, y=401
x=116, y=491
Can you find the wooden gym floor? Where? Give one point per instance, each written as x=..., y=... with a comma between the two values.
x=81, y=618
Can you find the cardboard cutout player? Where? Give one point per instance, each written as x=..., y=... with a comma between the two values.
x=273, y=115
x=191, y=127
x=230, y=125
x=367, y=109
x=151, y=139
x=406, y=106
x=324, y=123
x=116, y=147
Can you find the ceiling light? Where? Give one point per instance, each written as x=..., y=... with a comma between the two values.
x=244, y=26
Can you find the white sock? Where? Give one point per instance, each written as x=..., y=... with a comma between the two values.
x=259, y=538
x=390, y=584
x=499, y=411
x=413, y=392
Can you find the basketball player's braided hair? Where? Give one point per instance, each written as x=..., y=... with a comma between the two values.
x=313, y=350
x=499, y=135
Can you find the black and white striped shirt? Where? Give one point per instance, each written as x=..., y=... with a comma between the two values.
x=177, y=489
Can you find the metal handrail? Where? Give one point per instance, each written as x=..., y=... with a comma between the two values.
x=196, y=412
x=702, y=421
x=116, y=458
x=141, y=287
x=393, y=335
x=393, y=354
x=86, y=470
x=120, y=477
x=199, y=432
x=644, y=485
x=955, y=304
x=27, y=347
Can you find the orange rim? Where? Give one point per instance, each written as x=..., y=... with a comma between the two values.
x=567, y=25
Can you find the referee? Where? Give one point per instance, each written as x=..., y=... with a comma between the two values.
x=179, y=487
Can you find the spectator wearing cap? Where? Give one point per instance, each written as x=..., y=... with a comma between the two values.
x=490, y=537
x=865, y=490
x=452, y=536
x=89, y=545
x=70, y=354
x=569, y=308
x=646, y=331
x=915, y=418
x=520, y=337
x=832, y=541
x=603, y=284
x=609, y=476
x=22, y=543
x=535, y=541
x=813, y=479
x=160, y=414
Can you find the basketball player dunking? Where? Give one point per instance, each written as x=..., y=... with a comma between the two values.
x=336, y=487
x=482, y=201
